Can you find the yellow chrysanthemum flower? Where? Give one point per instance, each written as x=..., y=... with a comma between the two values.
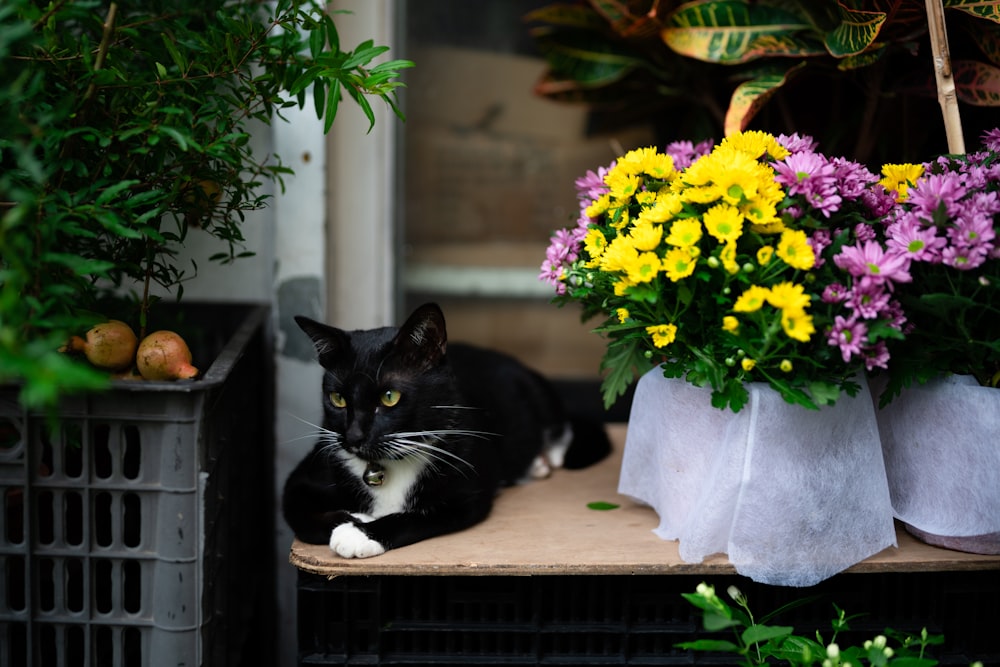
x=595, y=243
x=643, y=268
x=785, y=366
x=747, y=364
x=728, y=256
x=619, y=254
x=646, y=197
x=667, y=205
x=752, y=299
x=679, y=263
x=899, y=177
x=756, y=144
x=622, y=314
x=730, y=323
x=619, y=217
x=634, y=160
x=724, y=222
x=663, y=334
x=764, y=255
x=650, y=162
x=797, y=324
x=788, y=296
x=794, y=249
x=684, y=233
x=646, y=236
x=622, y=185
x=598, y=207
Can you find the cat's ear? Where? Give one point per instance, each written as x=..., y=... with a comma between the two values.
x=329, y=342
x=422, y=339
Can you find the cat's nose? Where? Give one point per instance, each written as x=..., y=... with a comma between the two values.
x=355, y=435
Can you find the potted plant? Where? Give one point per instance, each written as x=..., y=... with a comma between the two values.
x=848, y=74
x=938, y=397
x=127, y=126
x=133, y=515
x=748, y=278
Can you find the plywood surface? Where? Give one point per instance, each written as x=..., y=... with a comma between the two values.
x=546, y=528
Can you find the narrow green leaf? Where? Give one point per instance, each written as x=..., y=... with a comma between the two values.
x=602, y=506
x=757, y=634
x=714, y=645
x=332, y=103
x=175, y=54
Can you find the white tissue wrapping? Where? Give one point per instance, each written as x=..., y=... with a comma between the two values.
x=791, y=495
x=941, y=443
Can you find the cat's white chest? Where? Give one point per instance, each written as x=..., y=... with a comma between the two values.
x=393, y=494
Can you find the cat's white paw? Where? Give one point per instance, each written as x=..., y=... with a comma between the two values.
x=348, y=541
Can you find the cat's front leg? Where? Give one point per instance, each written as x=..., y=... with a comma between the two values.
x=349, y=539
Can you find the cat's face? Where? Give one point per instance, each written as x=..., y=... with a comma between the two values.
x=384, y=389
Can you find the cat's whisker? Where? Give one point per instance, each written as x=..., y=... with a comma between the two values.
x=440, y=434
x=429, y=452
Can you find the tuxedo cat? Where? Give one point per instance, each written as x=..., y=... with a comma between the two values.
x=419, y=435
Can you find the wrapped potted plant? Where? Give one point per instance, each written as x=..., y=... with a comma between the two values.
x=750, y=280
x=940, y=406
x=133, y=510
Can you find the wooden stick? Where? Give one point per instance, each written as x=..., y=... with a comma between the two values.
x=944, y=76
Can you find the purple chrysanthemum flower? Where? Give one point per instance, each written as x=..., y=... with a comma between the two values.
x=876, y=356
x=810, y=176
x=868, y=300
x=864, y=232
x=909, y=237
x=848, y=334
x=991, y=139
x=964, y=258
x=878, y=201
x=798, y=143
x=853, y=178
x=591, y=185
x=684, y=153
x=834, y=293
x=936, y=190
x=871, y=263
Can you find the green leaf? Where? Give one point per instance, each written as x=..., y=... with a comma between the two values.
x=757, y=634
x=111, y=192
x=602, y=506
x=714, y=645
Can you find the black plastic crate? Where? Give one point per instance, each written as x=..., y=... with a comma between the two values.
x=614, y=620
x=132, y=525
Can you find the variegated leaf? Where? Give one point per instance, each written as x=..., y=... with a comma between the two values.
x=750, y=96
x=977, y=83
x=862, y=60
x=567, y=15
x=986, y=36
x=731, y=31
x=856, y=32
x=984, y=9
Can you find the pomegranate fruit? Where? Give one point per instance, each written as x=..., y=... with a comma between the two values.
x=110, y=345
x=164, y=355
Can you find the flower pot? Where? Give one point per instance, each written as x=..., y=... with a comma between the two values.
x=791, y=495
x=943, y=462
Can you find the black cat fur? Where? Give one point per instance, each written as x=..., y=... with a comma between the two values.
x=467, y=422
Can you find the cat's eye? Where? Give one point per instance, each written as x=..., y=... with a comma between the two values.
x=337, y=399
x=390, y=398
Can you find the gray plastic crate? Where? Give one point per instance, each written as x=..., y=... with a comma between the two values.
x=132, y=527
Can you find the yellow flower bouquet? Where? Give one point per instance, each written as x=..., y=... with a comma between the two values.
x=753, y=260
